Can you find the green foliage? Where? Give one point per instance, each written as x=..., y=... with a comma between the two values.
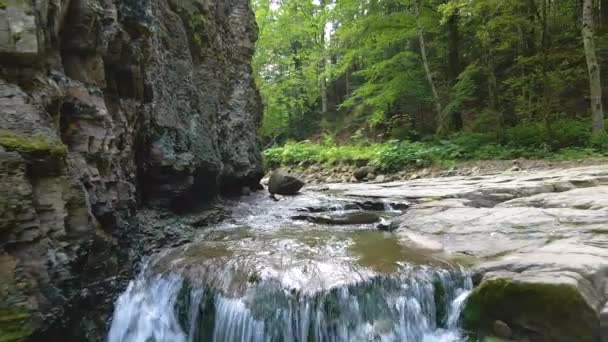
x=512, y=70
x=464, y=92
x=289, y=51
x=393, y=157
x=309, y=153
x=600, y=142
x=528, y=135
x=472, y=141
x=525, y=141
x=569, y=133
x=562, y=134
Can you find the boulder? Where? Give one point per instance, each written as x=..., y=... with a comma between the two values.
x=281, y=183
x=538, y=309
x=362, y=172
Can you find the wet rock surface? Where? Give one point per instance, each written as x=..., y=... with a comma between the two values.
x=537, y=241
x=341, y=218
x=108, y=107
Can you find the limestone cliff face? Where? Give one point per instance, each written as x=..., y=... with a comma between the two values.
x=106, y=106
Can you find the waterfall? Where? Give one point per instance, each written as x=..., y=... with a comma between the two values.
x=418, y=306
x=144, y=312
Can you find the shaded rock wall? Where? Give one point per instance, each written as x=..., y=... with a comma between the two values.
x=106, y=106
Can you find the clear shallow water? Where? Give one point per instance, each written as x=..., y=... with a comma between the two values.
x=264, y=277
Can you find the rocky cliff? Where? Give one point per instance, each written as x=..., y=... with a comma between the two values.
x=106, y=107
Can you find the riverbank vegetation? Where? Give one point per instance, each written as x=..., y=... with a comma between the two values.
x=394, y=82
x=394, y=155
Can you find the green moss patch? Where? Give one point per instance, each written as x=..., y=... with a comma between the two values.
x=555, y=310
x=15, y=325
x=35, y=144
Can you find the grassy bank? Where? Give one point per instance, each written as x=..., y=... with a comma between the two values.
x=393, y=156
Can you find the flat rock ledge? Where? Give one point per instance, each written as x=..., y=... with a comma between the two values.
x=537, y=243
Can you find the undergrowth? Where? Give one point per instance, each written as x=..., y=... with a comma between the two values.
x=569, y=142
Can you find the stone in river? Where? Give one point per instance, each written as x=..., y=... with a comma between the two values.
x=281, y=183
x=341, y=219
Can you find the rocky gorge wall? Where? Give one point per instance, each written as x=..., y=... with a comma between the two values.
x=107, y=107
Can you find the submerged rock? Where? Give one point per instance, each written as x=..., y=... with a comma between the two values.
x=281, y=183
x=358, y=217
x=388, y=226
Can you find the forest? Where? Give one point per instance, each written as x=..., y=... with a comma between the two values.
x=395, y=81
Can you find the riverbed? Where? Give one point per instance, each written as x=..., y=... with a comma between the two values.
x=316, y=267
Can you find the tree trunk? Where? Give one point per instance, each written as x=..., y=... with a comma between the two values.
x=454, y=68
x=347, y=83
x=595, y=84
x=322, y=64
x=493, y=92
x=323, y=94
x=546, y=104
x=441, y=122
x=492, y=83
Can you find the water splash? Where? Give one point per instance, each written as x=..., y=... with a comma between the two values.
x=419, y=307
x=144, y=312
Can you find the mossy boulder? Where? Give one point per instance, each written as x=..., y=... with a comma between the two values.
x=554, y=312
x=15, y=325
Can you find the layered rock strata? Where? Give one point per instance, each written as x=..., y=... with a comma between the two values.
x=105, y=107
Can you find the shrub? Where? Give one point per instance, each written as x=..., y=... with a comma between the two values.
x=526, y=135
x=568, y=133
x=600, y=142
x=572, y=140
x=469, y=143
x=564, y=133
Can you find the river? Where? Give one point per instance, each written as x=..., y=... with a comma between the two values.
x=272, y=272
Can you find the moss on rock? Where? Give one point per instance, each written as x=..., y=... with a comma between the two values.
x=15, y=325
x=556, y=311
x=36, y=144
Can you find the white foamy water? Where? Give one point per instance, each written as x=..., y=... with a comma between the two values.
x=166, y=309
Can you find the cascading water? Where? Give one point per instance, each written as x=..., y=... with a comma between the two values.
x=421, y=308
x=291, y=284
